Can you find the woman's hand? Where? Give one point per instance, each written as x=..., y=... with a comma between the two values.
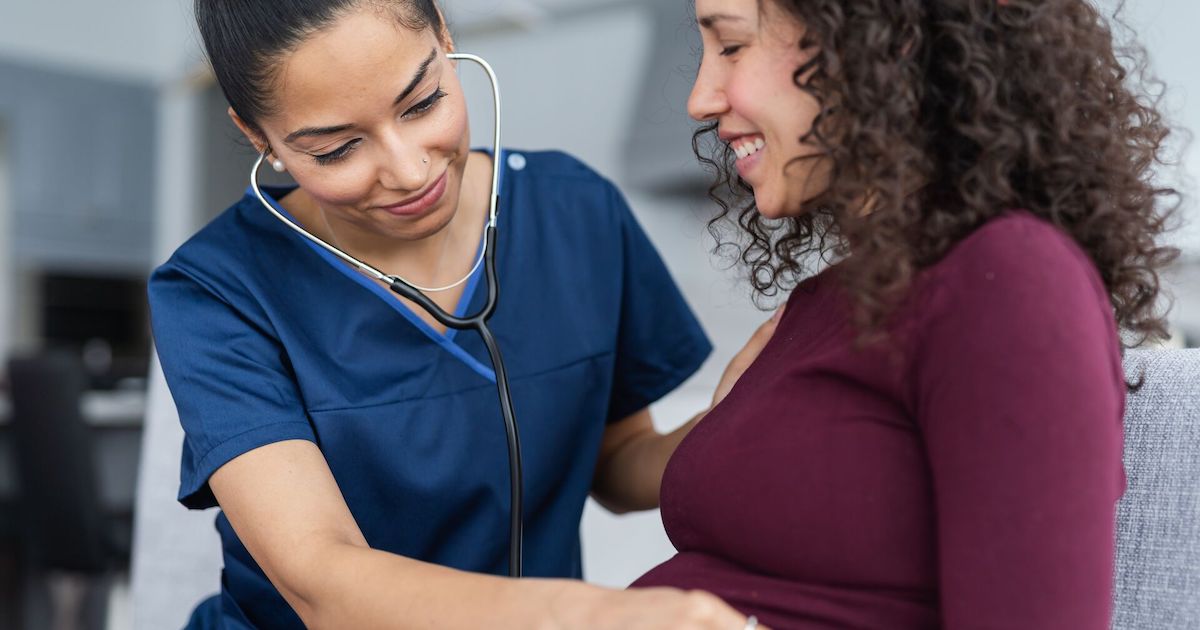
x=746, y=356
x=582, y=606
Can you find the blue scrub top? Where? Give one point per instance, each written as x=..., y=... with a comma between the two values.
x=265, y=337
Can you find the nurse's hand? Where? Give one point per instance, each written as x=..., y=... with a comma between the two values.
x=644, y=609
x=746, y=356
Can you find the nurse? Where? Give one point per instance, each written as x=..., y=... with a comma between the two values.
x=354, y=445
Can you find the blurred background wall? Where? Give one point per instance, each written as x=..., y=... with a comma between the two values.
x=115, y=146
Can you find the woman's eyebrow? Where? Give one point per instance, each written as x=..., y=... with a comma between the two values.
x=708, y=21
x=422, y=71
x=418, y=77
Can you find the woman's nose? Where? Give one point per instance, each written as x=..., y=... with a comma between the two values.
x=404, y=166
x=707, y=100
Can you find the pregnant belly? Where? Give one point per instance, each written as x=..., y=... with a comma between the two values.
x=782, y=604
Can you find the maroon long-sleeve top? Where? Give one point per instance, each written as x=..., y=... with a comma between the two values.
x=964, y=475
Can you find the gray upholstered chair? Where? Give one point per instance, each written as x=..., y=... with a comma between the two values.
x=177, y=560
x=1158, y=520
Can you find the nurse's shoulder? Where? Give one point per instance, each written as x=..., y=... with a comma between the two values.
x=550, y=163
x=560, y=188
x=243, y=235
x=233, y=258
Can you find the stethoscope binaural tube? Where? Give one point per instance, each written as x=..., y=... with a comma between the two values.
x=477, y=322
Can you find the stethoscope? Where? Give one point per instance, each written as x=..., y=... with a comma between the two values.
x=477, y=321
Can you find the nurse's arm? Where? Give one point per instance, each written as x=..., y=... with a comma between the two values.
x=286, y=508
x=633, y=455
x=288, y=511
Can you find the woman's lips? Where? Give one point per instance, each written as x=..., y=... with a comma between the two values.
x=749, y=150
x=423, y=202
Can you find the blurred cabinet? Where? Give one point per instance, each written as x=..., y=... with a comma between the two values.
x=82, y=156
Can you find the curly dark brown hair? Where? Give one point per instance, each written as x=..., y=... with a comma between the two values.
x=988, y=106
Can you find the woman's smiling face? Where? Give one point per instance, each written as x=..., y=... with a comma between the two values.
x=747, y=86
x=369, y=118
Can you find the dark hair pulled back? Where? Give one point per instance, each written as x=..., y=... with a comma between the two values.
x=245, y=39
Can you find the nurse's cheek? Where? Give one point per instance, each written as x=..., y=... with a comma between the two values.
x=349, y=183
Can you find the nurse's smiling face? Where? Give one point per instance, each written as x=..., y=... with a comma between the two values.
x=369, y=118
x=745, y=85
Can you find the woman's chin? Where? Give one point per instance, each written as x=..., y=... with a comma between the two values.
x=782, y=206
x=769, y=208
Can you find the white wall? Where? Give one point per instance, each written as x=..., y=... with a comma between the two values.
x=139, y=39
x=6, y=261
x=565, y=84
x=1167, y=28
x=17, y=311
x=176, y=195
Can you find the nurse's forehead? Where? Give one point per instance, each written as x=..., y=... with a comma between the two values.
x=364, y=56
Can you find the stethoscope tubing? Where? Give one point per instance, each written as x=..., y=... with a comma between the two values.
x=477, y=322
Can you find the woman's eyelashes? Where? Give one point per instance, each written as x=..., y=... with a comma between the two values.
x=426, y=104
x=337, y=154
x=344, y=151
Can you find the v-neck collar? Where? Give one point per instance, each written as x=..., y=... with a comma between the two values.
x=447, y=340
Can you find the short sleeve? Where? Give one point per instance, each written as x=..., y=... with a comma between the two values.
x=660, y=342
x=229, y=378
x=1020, y=402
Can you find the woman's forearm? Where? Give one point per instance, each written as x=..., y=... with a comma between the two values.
x=360, y=587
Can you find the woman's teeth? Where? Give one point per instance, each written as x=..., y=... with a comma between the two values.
x=748, y=148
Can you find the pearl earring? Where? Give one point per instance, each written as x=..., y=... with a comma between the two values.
x=278, y=165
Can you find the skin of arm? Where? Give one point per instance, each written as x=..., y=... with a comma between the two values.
x=287, y=509
x=289, y=512
x=633, y=455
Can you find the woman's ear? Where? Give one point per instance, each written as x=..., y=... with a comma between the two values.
x=444, y=36
x=254, y=136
